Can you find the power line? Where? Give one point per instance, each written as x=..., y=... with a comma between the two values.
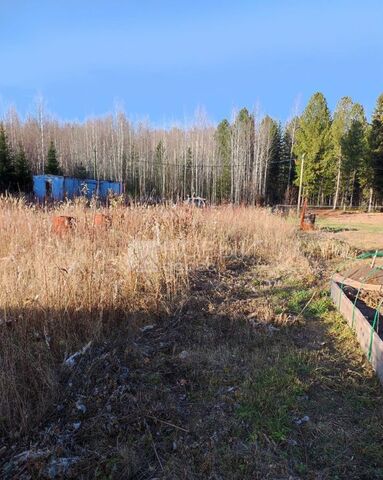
x=205, y=165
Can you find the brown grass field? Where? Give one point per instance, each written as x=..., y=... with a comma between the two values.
x=212, y=349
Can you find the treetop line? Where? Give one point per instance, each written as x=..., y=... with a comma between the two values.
x=241, y=161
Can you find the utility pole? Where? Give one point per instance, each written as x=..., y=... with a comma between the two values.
x=291, y=160
x=300, y=184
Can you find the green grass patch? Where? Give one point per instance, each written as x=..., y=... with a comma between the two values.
x=293, y=300
x=320, y=306
x=340, y=226
x=270, y=398
x=298, y=299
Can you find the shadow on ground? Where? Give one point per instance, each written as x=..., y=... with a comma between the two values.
x=210, y=393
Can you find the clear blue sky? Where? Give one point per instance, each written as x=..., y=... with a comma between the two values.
x=162, y=59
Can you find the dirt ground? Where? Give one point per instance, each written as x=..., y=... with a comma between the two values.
x=364, y=231
x=240, y=384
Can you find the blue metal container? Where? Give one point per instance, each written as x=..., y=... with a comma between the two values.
x=57, y=188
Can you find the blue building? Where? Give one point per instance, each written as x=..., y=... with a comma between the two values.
x=57, y=187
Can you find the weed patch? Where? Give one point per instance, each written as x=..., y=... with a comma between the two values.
x=270, y=399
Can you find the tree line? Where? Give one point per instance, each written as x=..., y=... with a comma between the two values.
x=250, y=158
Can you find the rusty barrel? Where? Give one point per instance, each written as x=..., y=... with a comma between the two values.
x=62, y=224
x=102, y=220
x=307, y=218
x=308, y=222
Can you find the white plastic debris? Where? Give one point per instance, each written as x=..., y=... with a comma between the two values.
x=70, y=361
x=146, y=328
x=299, y=421
x=183, y=355
x=80, y=406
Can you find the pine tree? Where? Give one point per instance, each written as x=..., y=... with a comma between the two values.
x=223, y=142
x=133, y=179
x=376, y=148
x=6, y=166
x=79, y=171
x=23, y=175
x=52, y=166
x=314, y=141
x=356, y=170
x=289, y=165
x=275, y=182
x=339, y=129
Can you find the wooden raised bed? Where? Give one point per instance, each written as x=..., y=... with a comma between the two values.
x=362, y=276
x=368, y=339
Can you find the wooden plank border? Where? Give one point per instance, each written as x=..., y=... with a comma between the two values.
x=361, y=326
x=356, y=284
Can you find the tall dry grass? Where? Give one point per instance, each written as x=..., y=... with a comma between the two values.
x=57, y=292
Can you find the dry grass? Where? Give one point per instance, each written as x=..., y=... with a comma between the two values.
x=245, y=372
x=56, y=292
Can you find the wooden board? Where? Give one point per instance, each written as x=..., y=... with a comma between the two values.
x=361, y=326
x=358, y=284
x=362, y=276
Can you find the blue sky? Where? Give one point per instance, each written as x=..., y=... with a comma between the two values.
x=163, y=59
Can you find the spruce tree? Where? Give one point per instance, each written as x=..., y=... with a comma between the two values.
x=275, y=183
x=339, y=129
x=376, y=148
x=79, y=171
x=23, y=175
x=314, y=141
x=52, y=166
x=289, y=165
x=223, y=142
x=6, y=166
x=133, y=181
x=356, y=168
